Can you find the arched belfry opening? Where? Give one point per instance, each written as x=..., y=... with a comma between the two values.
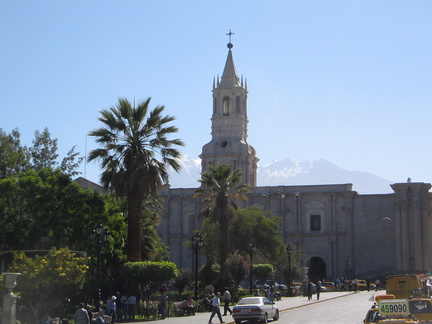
x=317, y=269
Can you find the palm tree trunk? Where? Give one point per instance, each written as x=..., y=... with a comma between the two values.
x=134, y=227
x=224, y=249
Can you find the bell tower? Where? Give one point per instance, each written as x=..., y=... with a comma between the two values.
x=229, y=144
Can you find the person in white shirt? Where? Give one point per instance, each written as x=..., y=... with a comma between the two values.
x=215, y=308
x=131, y=301
x=226, y=298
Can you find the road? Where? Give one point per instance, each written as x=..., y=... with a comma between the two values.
x=332, y=308
x=350, y=308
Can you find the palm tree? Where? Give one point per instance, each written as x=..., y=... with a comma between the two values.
x=220, y=185
x=135, y=152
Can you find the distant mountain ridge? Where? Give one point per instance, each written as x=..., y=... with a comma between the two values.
x=288, y=172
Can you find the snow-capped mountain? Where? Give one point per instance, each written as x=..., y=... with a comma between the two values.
x=189, y=174
x=287, y=172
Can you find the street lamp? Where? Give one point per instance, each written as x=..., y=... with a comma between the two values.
x=252, y=247
x=197, y=242
x=99, y=236
x=289, y=252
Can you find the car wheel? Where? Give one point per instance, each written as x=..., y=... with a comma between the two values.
x=265, y=319
x=276, y=317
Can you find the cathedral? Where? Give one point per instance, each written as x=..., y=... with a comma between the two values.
x=340, y=232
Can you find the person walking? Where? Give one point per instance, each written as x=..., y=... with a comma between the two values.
x=318, y=289
x=227, y=299
x=377, y=283
x=81, y=315
x=119, y=305
x=215, y=308
x=131, y=301
x=355, y=283
x=112, y=309
x=125, y=306
x=163, y=304
x=309, y=289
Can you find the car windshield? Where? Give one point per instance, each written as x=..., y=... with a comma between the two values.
x=420, y=306
x=248, y=301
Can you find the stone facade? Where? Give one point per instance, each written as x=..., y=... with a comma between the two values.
x=339, y=231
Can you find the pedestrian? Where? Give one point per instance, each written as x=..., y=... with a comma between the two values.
x=309, y=289
x=215, y=308
x=355, y=283
x=377, y=283
x=119, y=305
x=131, y=301
x=163, y=304
x=125, y=308
x=368, y=284
x=227, y=299
x=100, y=317
x=318, y=289
x=112, y=309
x=89, y=312
x=46, y=319
x=81, y=315
x=271, y=294
x=188, y=306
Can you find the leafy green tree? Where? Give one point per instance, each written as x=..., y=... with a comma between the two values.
x=220, y=185
x=184, y=279
x=132, y=140
x=47, y=209
x=264, y=228
x=44, y=278
x=248, y=223
x=296, y=269
x=152, y=246
x=263, y=272
x=71, y=162
x=14, y=158
x=238, y=268
x=150, y=275
x=44, y=150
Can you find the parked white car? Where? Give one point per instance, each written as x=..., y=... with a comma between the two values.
x=255, y=308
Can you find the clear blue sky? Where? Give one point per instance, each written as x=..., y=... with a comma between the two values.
x=347, y=81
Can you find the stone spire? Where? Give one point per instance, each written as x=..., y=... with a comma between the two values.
x=230, y=78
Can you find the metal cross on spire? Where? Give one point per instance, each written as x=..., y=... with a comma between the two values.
x=229, y=34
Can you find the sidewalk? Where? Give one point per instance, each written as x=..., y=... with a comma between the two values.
x=284, y=304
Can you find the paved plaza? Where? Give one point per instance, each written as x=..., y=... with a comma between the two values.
x=284, y=304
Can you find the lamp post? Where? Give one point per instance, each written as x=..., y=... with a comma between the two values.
x=99, y=236
x=289, y=252
x=252, y=247
x=197, y=242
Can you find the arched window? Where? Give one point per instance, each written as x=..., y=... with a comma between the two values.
x=226, y=106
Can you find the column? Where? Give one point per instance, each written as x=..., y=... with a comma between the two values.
x=10, y=299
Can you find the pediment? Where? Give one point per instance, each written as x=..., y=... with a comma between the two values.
x=190, y=208
x=314, y=204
